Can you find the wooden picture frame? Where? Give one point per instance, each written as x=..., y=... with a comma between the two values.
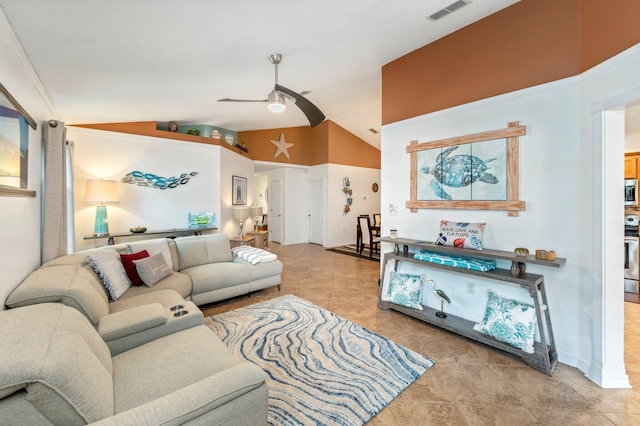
x=239, y=191
x=511, y=204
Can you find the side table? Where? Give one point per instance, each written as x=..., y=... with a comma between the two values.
x=248, y=240
x=262, y=238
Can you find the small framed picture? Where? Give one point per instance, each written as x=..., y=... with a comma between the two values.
x=239, y=190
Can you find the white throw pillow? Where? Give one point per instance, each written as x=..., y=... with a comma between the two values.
x=461, y=234
x=153, y=247
x=152, y=269
x=108, y=266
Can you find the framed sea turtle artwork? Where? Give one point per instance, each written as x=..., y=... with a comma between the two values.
x=477, y=171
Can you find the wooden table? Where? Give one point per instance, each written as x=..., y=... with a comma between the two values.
x=245, y=241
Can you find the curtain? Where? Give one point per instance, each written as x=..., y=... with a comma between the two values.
x=57, y=192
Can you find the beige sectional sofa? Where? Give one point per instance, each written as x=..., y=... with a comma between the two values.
x=56, y=370
x=151, y=341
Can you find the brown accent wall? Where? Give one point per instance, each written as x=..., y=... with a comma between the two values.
x=529, y=43
x=347, y=149
x=325, y=143
x=608, y=28
x=257, y=142
x=147, y=128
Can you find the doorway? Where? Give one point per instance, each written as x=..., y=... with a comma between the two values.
x=275, y=210
x=315, y=214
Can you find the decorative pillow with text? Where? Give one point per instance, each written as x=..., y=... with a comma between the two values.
x=461, y=234
x=152, y=269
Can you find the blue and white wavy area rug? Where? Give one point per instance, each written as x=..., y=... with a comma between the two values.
x=323, y=369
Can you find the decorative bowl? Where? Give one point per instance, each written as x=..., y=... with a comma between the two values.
x=137, y=229
x=521, y=251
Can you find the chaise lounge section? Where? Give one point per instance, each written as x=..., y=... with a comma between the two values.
x=56, y=370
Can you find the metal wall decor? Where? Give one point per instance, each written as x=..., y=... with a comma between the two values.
x=348, y=192
x=154, y=181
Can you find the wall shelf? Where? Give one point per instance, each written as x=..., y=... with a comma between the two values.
x=171, y=233
x=543, y=359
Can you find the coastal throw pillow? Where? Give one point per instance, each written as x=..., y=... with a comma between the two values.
x=405, y=290
x=461, y=234
x=152, y=269
x=130, y=267
x=108, y=266
x=509, y=321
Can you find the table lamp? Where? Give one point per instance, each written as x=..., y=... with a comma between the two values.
x=101, y=191
x=256, y=211
x=241, y=214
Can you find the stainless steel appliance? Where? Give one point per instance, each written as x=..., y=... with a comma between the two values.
x=630, y=192
x=631, y=254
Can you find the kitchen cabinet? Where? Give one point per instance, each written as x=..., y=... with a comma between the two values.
x=631, y=165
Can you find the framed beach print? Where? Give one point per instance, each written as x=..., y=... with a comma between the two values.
x=477, y=171
x=239, y=190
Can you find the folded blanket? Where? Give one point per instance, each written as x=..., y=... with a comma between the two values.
x=253, y=254
x=456, y=261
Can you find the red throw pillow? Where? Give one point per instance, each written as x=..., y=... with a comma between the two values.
x=130, y=267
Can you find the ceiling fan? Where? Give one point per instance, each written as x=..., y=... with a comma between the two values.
x=276, y=98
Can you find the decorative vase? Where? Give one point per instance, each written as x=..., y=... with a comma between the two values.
x=515, y=269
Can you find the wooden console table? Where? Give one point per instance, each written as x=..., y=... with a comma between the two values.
x=172, y=233
x=544, y=358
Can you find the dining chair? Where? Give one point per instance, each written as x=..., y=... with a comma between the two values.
x=376, y=219
x=367, y=237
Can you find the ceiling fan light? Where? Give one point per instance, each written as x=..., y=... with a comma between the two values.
x=276, y=101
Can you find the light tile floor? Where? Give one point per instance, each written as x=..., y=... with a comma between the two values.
x=470, y=384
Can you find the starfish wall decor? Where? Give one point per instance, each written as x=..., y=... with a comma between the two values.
x=282, y=146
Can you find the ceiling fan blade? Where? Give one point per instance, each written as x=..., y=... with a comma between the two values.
x=314, y=115
x=241, y=100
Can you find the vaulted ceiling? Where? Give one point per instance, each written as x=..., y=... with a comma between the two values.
x=106, y=61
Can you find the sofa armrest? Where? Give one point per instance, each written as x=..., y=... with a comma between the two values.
x=130, y=328
x=202, y=398
x=131, y=321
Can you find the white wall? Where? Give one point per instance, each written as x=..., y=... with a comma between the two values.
x=571, y=163
x=550, y=166
x=233, y=164
x=340, y=228
x=20, y=217
x=111, y=155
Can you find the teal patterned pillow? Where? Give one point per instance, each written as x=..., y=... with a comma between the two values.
x=405, y=290
x=509, y=321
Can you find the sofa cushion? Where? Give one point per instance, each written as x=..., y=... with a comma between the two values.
x=166, y=297
x=51, y=349
x=108, y=266
x=71, y=285
x=130, y=267
x=152, y=269
x=203, y=249
x=177, y=281
x=262, y=270
x=214, y=276
x=140, y=376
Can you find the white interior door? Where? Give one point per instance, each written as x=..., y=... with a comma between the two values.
x=316, y=211
x=275, y=211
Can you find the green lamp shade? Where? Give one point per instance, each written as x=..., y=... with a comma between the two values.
x=101, y=226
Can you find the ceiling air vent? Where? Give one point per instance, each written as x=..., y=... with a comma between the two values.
x=449, y=9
